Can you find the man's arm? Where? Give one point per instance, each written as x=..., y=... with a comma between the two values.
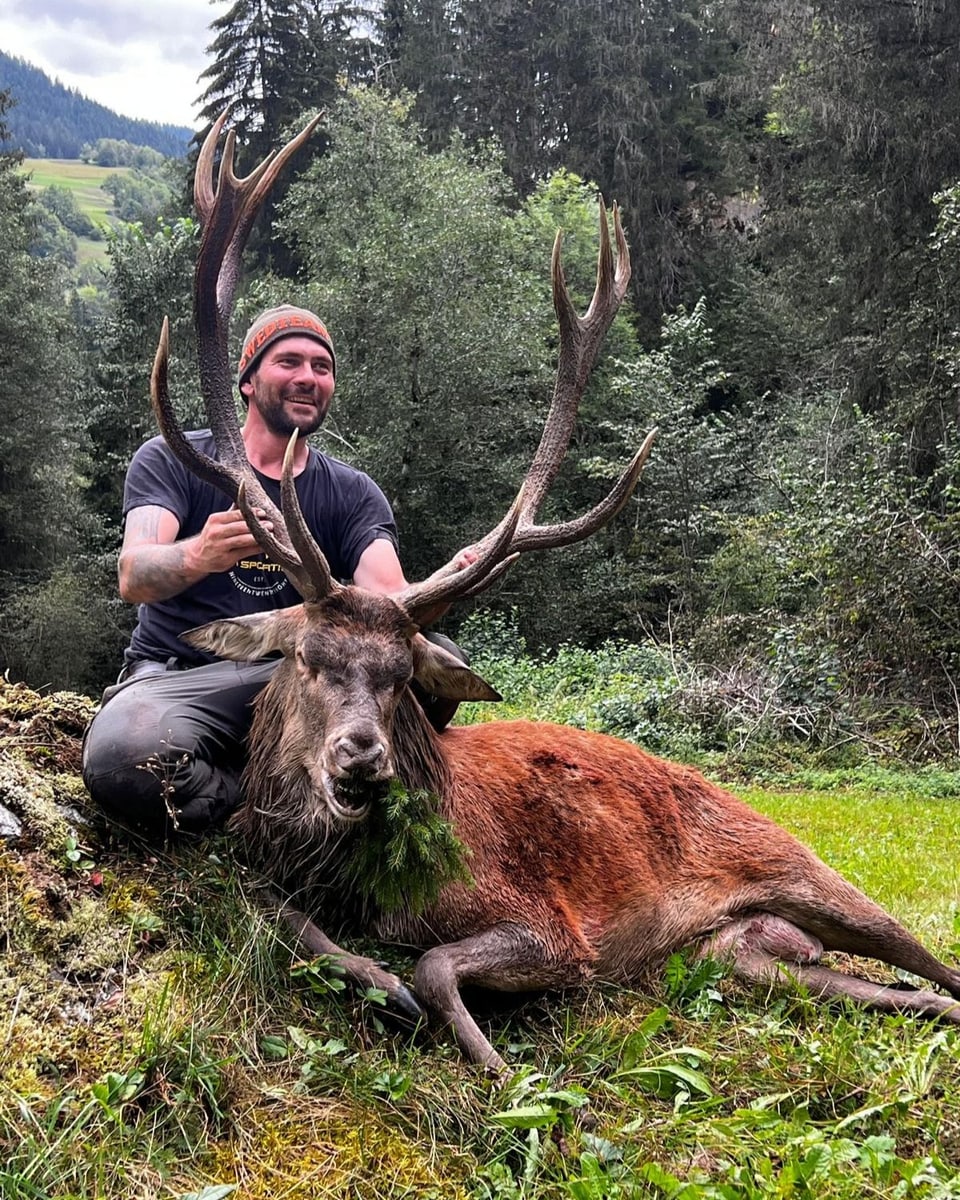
x=154, y=565
x=379, y=569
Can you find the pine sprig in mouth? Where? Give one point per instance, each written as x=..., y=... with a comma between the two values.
x=407, y=852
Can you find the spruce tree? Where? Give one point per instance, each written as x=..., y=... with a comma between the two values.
x=274, y=61
x=38, y=386
x=611, y=90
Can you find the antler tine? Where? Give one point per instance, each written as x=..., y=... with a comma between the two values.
x=270, y=544
x=564, y=533
x=207, y=468
x=446, y=586
x=314, y=564
x=305, y=565
x=546, y=537
x=282, y=555
x=227, y=211
x=491, y=578
x=580, y=341
x=204, y=192
x=241, y=199
x=612, y=280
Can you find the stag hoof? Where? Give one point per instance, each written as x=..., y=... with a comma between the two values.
x=405, y=1004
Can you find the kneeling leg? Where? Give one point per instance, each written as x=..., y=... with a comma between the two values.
x=506, y=958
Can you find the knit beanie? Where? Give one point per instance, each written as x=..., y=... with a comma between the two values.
x=275, y=323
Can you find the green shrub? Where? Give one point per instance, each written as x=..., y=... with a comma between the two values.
x=68, y=631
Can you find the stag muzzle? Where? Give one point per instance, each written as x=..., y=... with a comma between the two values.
x=357, y=768
x=361, y=753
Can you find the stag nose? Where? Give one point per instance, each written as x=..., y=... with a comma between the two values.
x=360, y=752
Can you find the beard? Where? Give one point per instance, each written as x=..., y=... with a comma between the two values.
x=272, y=406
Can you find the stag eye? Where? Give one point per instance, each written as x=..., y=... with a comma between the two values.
x=389, y=679
x=399, y=674
x=305, y=667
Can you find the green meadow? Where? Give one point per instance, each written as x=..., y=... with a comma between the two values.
x=83, y=180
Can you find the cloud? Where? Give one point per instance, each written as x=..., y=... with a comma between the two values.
x=116, y=22
x=142, y=60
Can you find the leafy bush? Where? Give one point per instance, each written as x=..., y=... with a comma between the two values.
x=846, y=593
x=138, y=197
x=630, y=691
x=63, y=204
x=67, y=631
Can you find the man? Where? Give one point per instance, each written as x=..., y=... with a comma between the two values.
x=166, y=749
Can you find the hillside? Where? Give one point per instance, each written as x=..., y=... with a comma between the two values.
x=52, y=121
x=83, y=183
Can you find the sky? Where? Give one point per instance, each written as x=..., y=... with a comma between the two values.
x=141, y=58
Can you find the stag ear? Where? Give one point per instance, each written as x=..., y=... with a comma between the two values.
x=253, y=636
x=443, y=674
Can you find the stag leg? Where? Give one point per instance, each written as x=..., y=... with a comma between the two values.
x=763, y=948
x=843, y=918
x=506, y=958
x=361, y=971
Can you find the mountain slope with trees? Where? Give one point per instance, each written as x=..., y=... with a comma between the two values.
x=49, y=120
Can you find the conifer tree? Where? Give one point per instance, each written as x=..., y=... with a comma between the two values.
x=274, y=60
x=38, y=386
x=610, y=90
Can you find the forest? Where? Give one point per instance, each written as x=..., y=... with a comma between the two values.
x=53, y=121
x=789, y=179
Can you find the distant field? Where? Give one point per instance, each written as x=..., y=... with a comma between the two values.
x=84, y=181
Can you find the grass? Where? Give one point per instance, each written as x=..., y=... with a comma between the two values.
x=84, y=181
x=155, y=1041
x=891, y=844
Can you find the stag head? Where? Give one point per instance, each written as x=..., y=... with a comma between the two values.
x=349, y=654
x=348, y=658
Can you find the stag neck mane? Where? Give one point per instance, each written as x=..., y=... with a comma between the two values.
x=285, y=826
x=418, y=751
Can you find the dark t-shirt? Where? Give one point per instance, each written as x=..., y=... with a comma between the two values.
x=344, y=509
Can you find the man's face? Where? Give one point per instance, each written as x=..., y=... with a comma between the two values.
x=292, y=386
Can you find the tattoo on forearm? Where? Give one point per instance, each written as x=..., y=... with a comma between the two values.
x=156, y=569
x=161, y=571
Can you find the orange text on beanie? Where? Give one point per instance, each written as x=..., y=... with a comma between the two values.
x=275, y=323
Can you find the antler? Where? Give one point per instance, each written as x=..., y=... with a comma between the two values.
x=227, y=212
x=580, y=341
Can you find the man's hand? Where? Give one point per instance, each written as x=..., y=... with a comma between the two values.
x=224, y=541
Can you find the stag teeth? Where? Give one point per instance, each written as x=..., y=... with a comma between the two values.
x=348, y=799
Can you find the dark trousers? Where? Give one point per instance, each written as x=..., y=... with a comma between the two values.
x=166, y=750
